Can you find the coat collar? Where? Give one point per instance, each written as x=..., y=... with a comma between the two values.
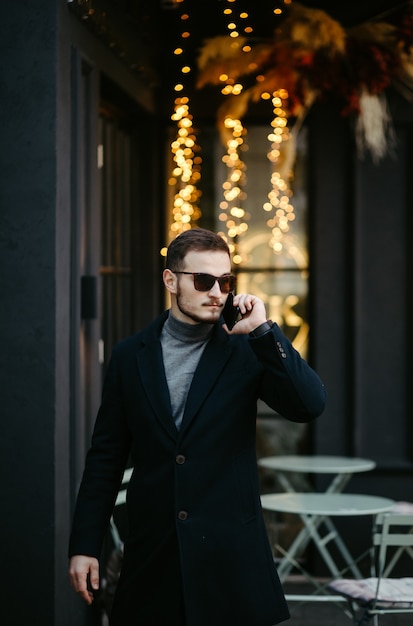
x=151, y=369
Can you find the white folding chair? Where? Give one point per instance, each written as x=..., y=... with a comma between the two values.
x=401, y=508
x=120, y=499
x=114, y=558
x=370, y=597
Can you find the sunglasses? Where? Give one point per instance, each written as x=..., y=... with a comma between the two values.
x=205, y=282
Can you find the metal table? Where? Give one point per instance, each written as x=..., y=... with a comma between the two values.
x=340, y=466
x=316, y=510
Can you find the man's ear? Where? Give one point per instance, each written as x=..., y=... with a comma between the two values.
x=170, y=281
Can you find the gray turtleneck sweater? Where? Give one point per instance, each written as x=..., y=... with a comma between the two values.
x=182, y=347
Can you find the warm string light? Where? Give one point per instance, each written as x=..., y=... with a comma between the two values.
x=186, y=173
x=278, y=10
x=280, y=194
x=231, y=212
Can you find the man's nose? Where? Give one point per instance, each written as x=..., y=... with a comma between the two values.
x=215, y=290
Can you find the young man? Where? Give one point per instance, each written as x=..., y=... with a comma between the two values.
x=180, y=397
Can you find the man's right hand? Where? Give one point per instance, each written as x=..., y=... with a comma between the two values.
x=82, y=568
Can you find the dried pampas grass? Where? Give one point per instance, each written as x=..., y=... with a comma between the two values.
x=374, y=129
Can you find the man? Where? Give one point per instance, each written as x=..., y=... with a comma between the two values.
x=181, y=398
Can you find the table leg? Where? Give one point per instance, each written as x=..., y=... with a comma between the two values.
x=348, y=559
x=296, y=548
x=285, y=482
x=310, y=531
x=321, y=542
x=336, y=485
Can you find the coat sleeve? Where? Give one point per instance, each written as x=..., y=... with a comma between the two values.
x=289, y=385
x=104, y=466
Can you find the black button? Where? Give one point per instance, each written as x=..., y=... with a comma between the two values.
x=182, y=515
x=180, y=459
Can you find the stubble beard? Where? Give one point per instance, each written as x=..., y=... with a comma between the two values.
x=193, y=316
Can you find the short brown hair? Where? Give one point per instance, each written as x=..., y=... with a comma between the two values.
x=198, y=239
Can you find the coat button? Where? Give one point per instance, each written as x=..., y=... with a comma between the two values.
x=182, y=515
x=180, y=459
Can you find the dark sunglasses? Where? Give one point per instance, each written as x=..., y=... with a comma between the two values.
x=205, y=282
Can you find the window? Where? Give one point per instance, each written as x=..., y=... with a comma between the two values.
x=281, y=280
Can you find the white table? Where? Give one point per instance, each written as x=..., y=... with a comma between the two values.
x=316, y=510
x=341, y=467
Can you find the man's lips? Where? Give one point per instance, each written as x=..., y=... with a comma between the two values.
x=214, y=305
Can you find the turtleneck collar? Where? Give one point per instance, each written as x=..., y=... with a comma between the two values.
x=187, y=332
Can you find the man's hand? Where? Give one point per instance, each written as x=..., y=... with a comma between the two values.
x=82, y=568
x=253, y=314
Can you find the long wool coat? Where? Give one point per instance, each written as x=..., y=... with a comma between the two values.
x=197, y=541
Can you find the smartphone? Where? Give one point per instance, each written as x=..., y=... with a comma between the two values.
x=230, y=312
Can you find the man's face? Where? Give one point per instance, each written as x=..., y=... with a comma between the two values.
x=192, y=306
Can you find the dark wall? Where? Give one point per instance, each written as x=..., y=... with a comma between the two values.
x=39, y=316
x=361, y=230
x=362, y=271
x=34, y=274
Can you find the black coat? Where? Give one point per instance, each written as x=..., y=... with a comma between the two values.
x=193, y=500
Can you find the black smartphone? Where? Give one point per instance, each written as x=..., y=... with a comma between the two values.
x=230, y=312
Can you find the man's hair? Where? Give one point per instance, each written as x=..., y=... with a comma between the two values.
x=195, y=239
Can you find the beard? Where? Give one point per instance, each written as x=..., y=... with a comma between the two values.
x=209, y=316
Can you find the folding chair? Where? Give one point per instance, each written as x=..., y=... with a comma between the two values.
x=378, y=595
x=401, y=508
x=120, y=499
x=115, y=557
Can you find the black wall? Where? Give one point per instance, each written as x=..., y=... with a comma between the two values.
x=40, y=44
x=34, y=319
x=361, y=231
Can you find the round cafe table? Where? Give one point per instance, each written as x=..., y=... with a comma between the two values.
x=316, y=511
x=341, y=467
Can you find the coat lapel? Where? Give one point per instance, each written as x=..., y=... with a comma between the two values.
x=152, y=372
x=213, y=360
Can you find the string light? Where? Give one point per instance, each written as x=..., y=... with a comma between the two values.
x=232, y=214
x=186, y=172
x=280, y=194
